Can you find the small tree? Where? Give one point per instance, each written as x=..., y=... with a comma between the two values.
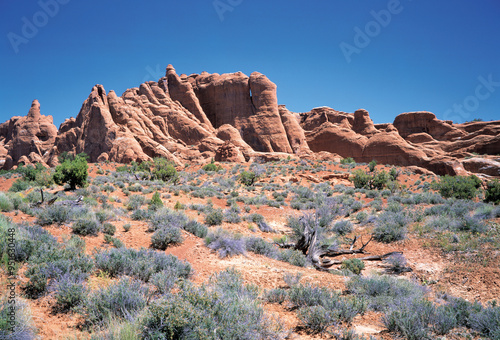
x=247, y=177
x=164, y=170
x=493, y=192
x=74, y=172
x=372, y=165
x=156, y=201
x=459, y=187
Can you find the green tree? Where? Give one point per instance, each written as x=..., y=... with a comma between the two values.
x=493, y=192
x=247, y=177
x=460, y=187
x=164, y=170
x=74, y=172
x=372, y=165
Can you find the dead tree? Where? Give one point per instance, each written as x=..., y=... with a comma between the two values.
x=319, y=256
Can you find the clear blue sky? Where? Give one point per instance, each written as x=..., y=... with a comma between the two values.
x=428, y=55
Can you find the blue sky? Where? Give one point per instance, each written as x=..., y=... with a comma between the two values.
x=385, y=56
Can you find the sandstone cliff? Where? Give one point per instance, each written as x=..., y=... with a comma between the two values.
x=235, y=117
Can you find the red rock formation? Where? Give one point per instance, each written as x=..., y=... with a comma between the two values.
x=32, y=136
x=234, y=117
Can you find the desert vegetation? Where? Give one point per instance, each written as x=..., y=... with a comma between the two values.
x=266, y=250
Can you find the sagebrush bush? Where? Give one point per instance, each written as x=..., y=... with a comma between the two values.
x=54, y=214
x=21, y=326
x=315, y=318
x=261, y=247
x=294, y=257
x=5, y=203
x=196, y=228
x=214, y=217
x=166, y=236
x=224, y=305
x=86, y=226
x=225, y=243
x=120, y=300
x=342, y=227
x=140, y=264
x=70, y=291
x=391, y=226
x=353, y=265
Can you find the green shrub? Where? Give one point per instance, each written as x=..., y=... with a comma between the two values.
x=214, y=217
x=86, y=226
x=5, y=203
x=108, y=229
x=73, y=172
x=372, y=165
x=212, y=167
x=163, y=170
x=353, y=265
x=492, y=194
x=315, y=318
x=156, y=201
x=360, y=179
x=459, y=187
x=348, y=160
x=247, y=178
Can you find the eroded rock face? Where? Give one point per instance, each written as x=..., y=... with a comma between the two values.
x=32, y=136
x=235, y=117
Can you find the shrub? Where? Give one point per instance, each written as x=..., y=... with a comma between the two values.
x=123, y=299
x=459, y=187
x=292, y=256
x=261, y=247
x=493, y=192
x=391, y=227
x=164, y=281
x=73, y=172
x=212, y=167
x=348, y=160
x=410, y=319
x=247, y=178
x=20, y=185
x=342, y=227
x=487, y=321
x=353, y=265
x=140, y=264
x=166, y=236
x=164, y=171
x=224, y=243
x=315, y=318
x=5, y=204
x=86, y=226
x=372, y=165
x=108, y=229
x=214, y=217
x=53, y=214
x=397, y=262
x=276, y=295
x=126, y=227
x=361, y=179
x=393, y=174
x=156, y=201
x=224, y=305
x=22, y=327
x=135, y=202
x=70, y=291
x=196, y=228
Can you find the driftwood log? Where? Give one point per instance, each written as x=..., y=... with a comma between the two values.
x=319, y=256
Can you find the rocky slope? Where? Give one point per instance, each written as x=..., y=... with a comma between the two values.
x=233, y=117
